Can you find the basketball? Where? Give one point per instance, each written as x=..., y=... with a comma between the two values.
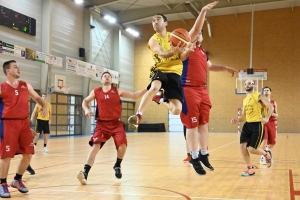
x=180, y=35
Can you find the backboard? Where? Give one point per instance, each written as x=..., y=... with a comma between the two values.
x=240, y=85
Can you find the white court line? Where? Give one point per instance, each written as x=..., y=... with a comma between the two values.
x=131, y=194
x=223, y=146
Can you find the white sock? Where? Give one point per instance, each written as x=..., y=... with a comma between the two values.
x=267, y=149
x=161, y=100
x=195, y=154
x=204, y=152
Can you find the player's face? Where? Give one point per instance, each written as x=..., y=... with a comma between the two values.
x=106, y=79
x=14, y=70
x=249, y=85
x=267, y=92
x=158, y=23
x=44, y=97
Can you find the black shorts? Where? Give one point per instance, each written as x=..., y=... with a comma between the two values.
x=170, y=82
x=252, y=133
x=42, y=125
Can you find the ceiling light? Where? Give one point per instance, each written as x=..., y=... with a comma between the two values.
x=78, y=1
x=110, y=19
x=132, y=32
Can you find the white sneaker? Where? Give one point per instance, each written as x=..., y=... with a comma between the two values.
x=82, y=178
x=262, y=160
x=45, y=150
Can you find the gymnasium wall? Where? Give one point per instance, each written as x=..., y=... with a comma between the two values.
x=276, y=47
x=30, y=70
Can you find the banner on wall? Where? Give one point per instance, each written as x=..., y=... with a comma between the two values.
x=92, y=71
x=29, y=54
x=71, y=65
x=19, y=51
x=8, y=49
x=258, y=74
x=40, y=57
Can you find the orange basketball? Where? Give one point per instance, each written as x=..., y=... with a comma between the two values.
x=178, y=35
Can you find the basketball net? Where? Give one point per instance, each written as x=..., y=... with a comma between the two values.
x=66, y=89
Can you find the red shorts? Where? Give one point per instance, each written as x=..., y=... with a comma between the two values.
x=106, y=129
x=16, y=138
x=270, y=132
x=196, y=106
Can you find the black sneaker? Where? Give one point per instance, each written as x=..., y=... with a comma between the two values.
x=204, y=160
x=118, y=172
x=197, y=166
x=30, y=170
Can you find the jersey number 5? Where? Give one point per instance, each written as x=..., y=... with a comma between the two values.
x=17, y=92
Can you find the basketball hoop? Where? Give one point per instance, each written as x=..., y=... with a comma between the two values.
x=66, y=89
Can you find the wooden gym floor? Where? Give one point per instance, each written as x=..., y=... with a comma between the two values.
x=153, y=169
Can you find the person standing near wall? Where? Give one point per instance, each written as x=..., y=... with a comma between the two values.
x=270, y=127
x=16, y=136
x=42, y=123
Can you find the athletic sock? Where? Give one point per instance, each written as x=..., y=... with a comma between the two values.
x=118, y=162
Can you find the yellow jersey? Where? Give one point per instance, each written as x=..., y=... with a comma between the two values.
x=172, y=64
x=39, y=112
x=254, y=110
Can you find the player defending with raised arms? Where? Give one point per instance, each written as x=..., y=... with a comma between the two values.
x=167, y=69
x=108, y=114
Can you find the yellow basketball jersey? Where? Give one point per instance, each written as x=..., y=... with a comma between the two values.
x=253, y=109
x=172, y=64
x=39, y=112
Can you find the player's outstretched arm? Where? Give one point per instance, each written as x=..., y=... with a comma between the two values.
x=157, y=49
x=132, y=95
x=37, y=99
x=217, y=68
x=195, y=30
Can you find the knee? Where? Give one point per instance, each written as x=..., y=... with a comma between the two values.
x=154, y=89
x=176, y=111
x=251, y=150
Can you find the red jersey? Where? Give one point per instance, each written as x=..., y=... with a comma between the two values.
x=14, y=101
x=194, y=68
x=109, y=105
x=273, y=103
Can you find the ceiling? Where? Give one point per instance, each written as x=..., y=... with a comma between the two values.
x=136, y=12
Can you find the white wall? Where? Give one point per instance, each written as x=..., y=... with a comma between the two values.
x=30, y=71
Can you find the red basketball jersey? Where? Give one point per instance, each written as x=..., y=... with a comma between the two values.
x=194, y=68
x=109, y=105
x=14, y=101
x=272, y=118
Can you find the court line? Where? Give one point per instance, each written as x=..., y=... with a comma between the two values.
x=134, y=194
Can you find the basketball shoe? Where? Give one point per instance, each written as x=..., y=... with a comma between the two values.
x=30, y=170
x=187, y=159
x=19, y=185
x=269, y=160
x=4, y=193
x=249, y=171
x=82, y=177
x=118, y=172
x=195, y=163
x=262, y=160
x=204, y=160
x=134, y=121
x=159, y=95
x=45, y=150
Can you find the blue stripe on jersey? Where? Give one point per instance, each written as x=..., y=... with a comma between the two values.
x=184, y=105
x=1, y=107
x=184, y=71
x=1, y=130
x=96, y=113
